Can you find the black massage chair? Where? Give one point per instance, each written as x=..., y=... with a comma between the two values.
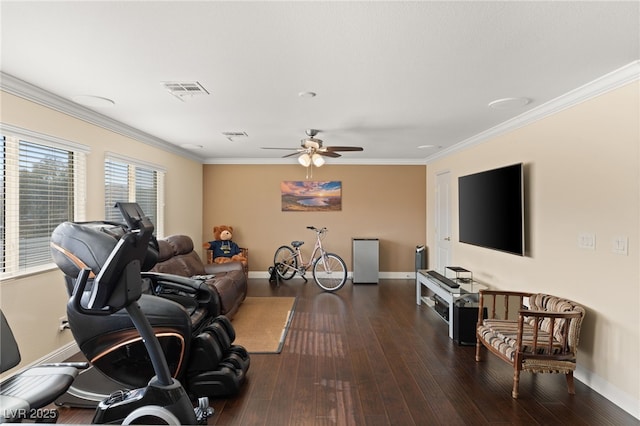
x=196, y=341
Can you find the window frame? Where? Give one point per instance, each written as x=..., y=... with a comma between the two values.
x=134, y=165
x=12, y=137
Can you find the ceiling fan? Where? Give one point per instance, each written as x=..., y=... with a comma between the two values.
x=311, y=150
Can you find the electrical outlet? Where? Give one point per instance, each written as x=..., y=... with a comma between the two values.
x=587, y=240
x=63, y=324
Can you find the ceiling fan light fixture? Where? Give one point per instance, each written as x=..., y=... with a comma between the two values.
x=317, y=159
x=304, y=160
x=311, y=143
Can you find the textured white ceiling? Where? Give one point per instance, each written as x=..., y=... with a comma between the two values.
x=390, y=76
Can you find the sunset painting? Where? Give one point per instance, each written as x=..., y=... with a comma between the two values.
x=311, y=196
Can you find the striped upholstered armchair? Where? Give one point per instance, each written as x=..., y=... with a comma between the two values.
x=541, y=337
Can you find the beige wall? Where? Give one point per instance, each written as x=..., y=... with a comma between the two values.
x=583, y=168
x=34, y=304
x=581, y=175
x=384, y=202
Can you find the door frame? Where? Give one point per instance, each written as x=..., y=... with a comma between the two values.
x=442, y=220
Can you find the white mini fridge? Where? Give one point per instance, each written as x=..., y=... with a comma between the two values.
x=365, y=261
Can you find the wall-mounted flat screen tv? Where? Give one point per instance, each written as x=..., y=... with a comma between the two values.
x=491, y=209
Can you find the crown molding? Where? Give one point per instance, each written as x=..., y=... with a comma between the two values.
x=332, y=162
x=21, y=88
x=599, y=86
x=606, y=83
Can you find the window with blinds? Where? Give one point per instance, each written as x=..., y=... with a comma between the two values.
x=131, y=182
x=116, y=184
x=42, y=185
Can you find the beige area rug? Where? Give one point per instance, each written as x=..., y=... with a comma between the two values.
x=261, y=323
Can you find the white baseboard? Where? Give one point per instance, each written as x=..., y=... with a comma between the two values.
x=60, y=355
x=398, y=275
x=609, y=391
x=384, y=275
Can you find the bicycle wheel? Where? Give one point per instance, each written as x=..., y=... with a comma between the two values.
x=286, y=261
x=330, y=272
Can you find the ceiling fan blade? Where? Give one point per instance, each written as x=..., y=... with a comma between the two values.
x=329, y=154
x=344, y=148
x=291, y=155
x=287, y=149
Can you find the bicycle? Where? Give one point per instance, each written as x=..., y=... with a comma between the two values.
x=329, y=270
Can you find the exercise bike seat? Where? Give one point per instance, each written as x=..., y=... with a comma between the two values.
x=33, y=388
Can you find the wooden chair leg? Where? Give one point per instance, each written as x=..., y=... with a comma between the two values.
x=570, y=385
x=517, y=366
x=478, y=345
x=516, y=382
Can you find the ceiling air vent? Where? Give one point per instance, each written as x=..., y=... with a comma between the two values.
x=182, y=89
x=234, y=135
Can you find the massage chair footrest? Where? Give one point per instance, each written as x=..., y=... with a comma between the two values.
x=226, y=381
x=217, y=367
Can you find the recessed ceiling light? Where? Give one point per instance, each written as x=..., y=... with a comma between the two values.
x=429, y=146
x=307, y=94
x=507, y=103
x=191, y=146
x=93, y=101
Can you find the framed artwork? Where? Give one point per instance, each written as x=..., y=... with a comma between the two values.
x=311, y=196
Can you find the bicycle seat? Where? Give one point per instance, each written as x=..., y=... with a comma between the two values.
x=297, y=244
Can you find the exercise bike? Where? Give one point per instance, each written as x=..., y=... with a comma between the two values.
x=118, y=286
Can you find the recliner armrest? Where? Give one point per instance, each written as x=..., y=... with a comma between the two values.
x=199, y=300
x=213, y=268
x=178, y=282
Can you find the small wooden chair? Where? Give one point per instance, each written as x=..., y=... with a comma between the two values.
x=543, y=338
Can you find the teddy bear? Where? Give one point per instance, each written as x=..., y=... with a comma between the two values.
x=224, y=249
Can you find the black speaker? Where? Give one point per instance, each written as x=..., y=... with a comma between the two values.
x=441, y=307
x=465, y=319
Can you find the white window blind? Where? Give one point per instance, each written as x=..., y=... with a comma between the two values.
x=42, y=185
x=146, y=192
x=129, y=181
x=116, y=184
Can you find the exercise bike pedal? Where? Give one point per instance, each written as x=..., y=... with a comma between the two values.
x=203, y=410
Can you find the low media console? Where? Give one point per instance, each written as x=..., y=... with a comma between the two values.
x=446, y=292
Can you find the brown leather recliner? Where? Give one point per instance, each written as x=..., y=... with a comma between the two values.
x=177, y=257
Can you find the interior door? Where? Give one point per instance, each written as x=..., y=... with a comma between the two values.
x=443, y=221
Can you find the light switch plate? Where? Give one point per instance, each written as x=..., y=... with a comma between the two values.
x=621, y=245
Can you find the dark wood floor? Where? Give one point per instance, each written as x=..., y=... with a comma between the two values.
x=368, y=355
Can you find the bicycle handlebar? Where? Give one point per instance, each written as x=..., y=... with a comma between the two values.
x=313, y=228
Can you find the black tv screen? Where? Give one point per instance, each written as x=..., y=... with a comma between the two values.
x=491, y=209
